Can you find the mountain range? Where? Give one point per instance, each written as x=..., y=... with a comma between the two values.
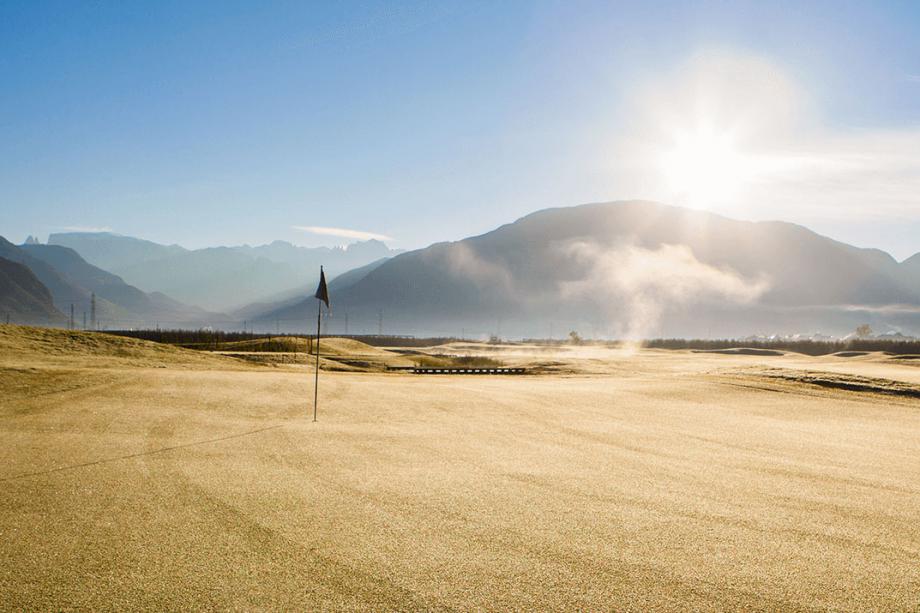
x=631, y=268
x=70, y=280
x=218, y=278
x=620, y=269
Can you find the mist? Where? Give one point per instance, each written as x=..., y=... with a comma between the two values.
x=639, y=286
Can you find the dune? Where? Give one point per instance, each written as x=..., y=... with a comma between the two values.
x=740, y=351
x=342, y=354
x=28, y=344
x=138, y=476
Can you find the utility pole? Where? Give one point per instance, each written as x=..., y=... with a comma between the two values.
x=380, y=322
x=92, y=311
x=71, y=316
x=346, y=323
x=84, y=320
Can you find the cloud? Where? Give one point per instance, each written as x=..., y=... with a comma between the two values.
x=343, y=233
x=641, y=285
x=736, y=134
x=913, y=78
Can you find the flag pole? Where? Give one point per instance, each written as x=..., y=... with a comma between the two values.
x=319, y=314
x=321, y=295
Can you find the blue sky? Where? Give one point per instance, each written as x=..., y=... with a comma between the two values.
x=227, y=123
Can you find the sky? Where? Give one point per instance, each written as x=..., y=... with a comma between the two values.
x=218, y=123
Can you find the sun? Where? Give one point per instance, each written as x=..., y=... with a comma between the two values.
x=703, y=168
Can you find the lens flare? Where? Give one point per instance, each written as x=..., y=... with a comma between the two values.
x=704, y=168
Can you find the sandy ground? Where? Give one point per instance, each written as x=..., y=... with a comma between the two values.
x=658, y=481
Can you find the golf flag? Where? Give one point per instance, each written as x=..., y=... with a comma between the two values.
x=322, y=293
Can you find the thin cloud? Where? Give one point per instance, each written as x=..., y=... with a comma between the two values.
x=344, y=233
x=913, y=78
x=86, y=228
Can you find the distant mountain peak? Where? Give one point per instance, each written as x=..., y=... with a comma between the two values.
x=32, y=241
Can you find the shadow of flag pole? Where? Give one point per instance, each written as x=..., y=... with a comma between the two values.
x=322, y=295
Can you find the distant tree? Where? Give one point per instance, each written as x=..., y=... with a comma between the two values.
x=864, y=331
x=575, y=338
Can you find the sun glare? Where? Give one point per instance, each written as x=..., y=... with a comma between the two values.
x=703, y=168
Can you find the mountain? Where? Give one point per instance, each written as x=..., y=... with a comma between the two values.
x=139, y=307
x=23, y=298
x=215, y=278
x=347, y=279
x=911, y=270
x=255, y=310
x=72, y=281
x=224, y=278
x=64, y=292
x=112, y=251
x=78, y=271
x=630, y=268
x=349, y=257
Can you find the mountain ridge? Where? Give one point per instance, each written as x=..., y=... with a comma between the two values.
x=23, y=298
x=521, y=270
x=72, y=282
x=223, y=278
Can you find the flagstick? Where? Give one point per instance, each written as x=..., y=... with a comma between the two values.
x=319, y=313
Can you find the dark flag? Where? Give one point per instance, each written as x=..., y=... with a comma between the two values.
x=322, y=293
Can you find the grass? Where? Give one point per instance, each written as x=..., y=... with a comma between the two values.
x=467, y=361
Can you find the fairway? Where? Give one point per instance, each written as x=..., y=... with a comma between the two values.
x=140, y=477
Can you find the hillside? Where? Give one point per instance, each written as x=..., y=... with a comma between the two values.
x=64, y=291
x=140, y=307
x=255, y=310
x=49, y=347
x=911, y=269
x=627, y=265
x=23, y=298
x=219, y=278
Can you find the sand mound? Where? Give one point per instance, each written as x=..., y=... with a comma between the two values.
x=347, y=347
x=741, y=351
x=341, y=354
x=276, y=344
x=26, y=343
x=850, y=354
x=332, y=346
x=853, y=383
